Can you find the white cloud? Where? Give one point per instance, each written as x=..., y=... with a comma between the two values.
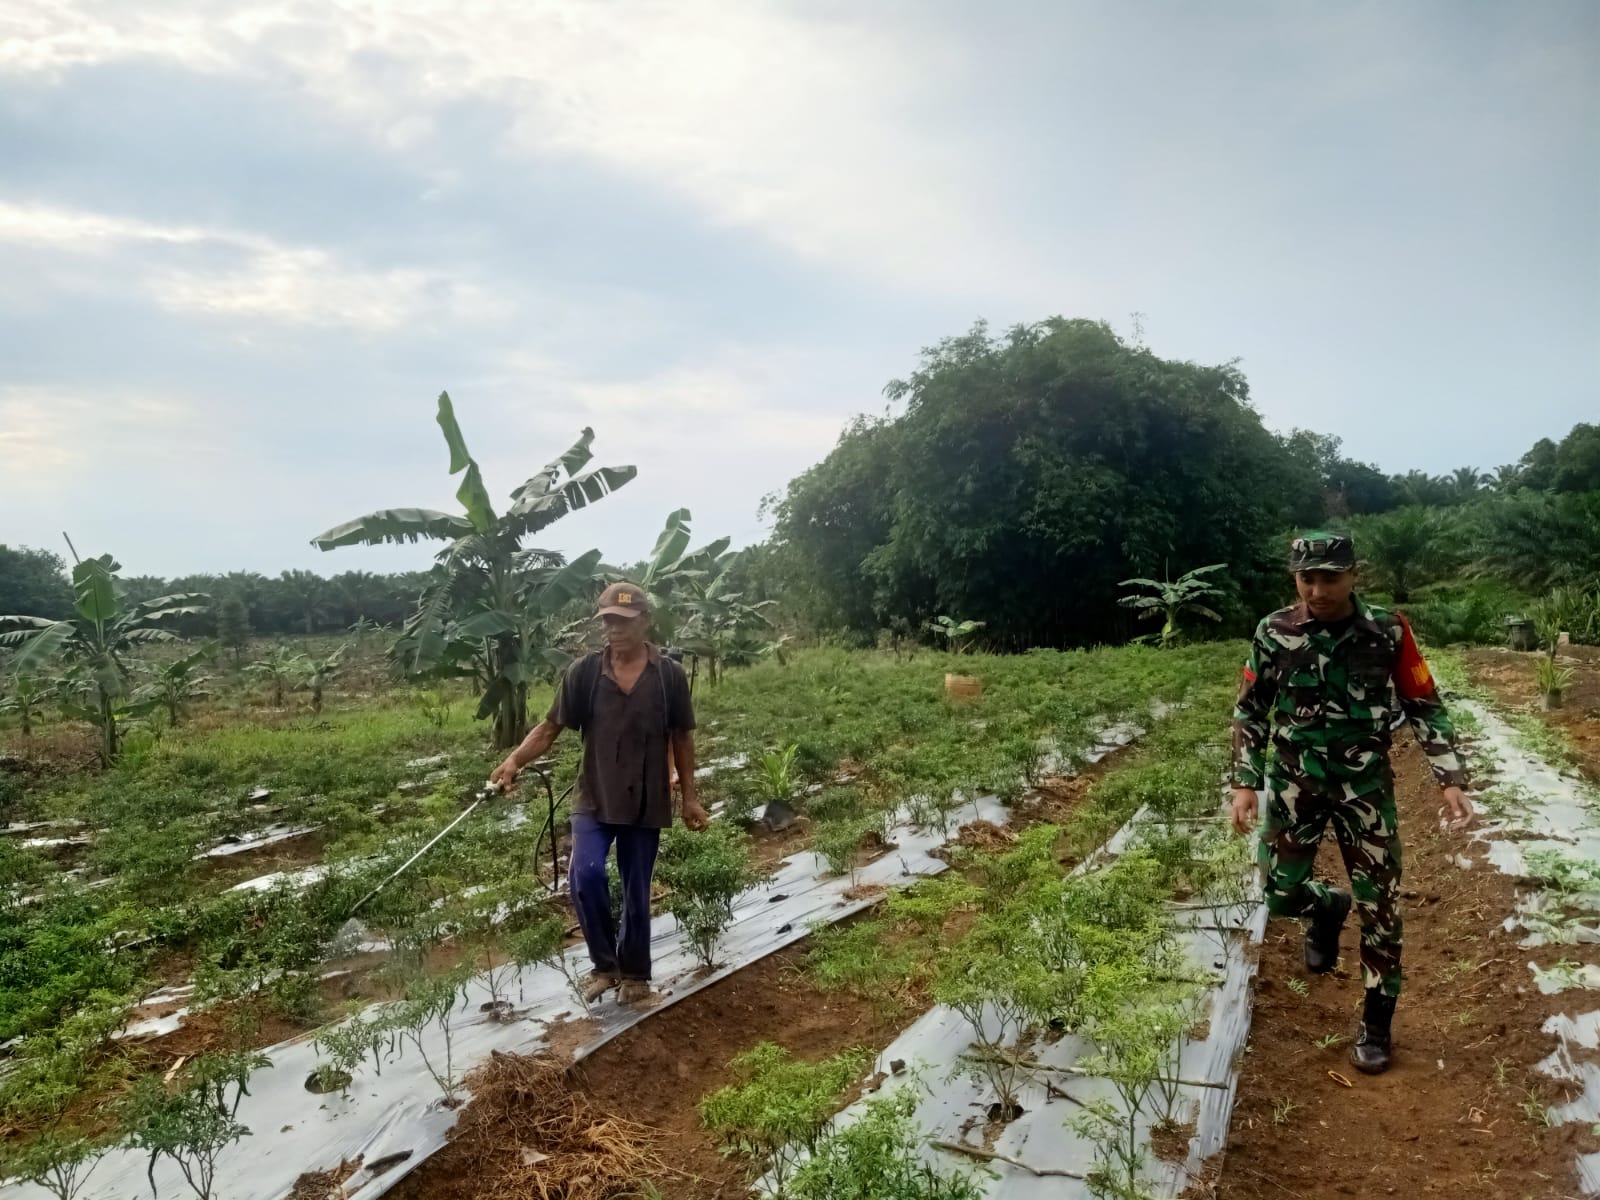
x=239, y=274
x=49, y=433
x=797, y=124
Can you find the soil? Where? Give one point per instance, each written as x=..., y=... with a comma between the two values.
x=1508, y=674
x=656, y=1073
x=1445, y=1119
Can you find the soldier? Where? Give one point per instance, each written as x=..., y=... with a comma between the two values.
x=1337, y=675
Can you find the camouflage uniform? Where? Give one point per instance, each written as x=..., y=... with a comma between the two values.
x=1336, y=698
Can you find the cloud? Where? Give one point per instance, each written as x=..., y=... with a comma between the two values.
x=803, y=126
x=50, y=435
x=238, y=274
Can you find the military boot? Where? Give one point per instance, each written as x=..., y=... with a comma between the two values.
x=1322, y=932
x=1374, y=1044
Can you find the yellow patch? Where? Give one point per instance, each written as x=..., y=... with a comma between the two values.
x=624, y=597
x=1419, y=674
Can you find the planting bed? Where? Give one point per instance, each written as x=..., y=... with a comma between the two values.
x=1508, y=676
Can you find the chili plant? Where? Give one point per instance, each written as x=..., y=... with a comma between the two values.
x=349, y=1044
x=877, y=1157
x=429, y=1004
x=60, y=1163
x=779, y=1109
x=706, y=872
x=187, y=1127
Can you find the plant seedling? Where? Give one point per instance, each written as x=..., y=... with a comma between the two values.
x=430, y=1003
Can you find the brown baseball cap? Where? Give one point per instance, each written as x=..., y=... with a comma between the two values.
x=624, y=599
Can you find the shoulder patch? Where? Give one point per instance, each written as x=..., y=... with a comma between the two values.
x=1411, y=675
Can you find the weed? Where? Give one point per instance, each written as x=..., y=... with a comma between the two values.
x=1298, y=987
x=1328, y=1041
x=1536, y=1110
x=1282, y=1110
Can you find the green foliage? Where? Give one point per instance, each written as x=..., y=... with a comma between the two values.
x=493, y=609
x=34, y=581
x=878, y=1158
x=956, y=635
x=1170, y=599
x=188, y=1127
x=1552, y=680
x=1403, y=549
x=429, y=1004
x=777, y=1110
x=838, y=843
x=1473, y=612
x=1054, y=452
x=777, y=774
x=59, y=1162
x=706, y=873
x=350, y=1043
x=95, y=642
x=282, y=668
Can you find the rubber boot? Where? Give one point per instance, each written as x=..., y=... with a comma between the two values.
x=1322, y=933
x=1374, y=1043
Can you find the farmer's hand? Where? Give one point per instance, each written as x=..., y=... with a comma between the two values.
x=1458, y=807
x=504, y=776
x=1244, y=810
x=694, y=816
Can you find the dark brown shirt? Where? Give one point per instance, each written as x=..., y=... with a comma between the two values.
x=624, y=778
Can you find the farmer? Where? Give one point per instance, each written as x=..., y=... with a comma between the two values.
x=1337, y=674
x=630, y=703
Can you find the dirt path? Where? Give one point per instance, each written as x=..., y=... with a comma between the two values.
x=1448, y=1118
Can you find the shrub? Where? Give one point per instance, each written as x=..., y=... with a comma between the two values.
x=878, y=1158
x=706, y=872
x=779, y=1109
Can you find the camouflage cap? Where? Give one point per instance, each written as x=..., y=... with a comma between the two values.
x=1320, y=550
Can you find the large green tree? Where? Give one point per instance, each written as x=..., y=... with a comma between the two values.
x=33, y=581
x=1028, y=474
x=488, y=613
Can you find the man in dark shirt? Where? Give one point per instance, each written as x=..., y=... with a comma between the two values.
x=631, y=705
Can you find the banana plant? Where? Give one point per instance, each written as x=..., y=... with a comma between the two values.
x=320, y=672
x=283, y=668
x=490, y=610
x=676, y=576
x=25, y=696
x=96, y=641
x=177, y=683
x=1171, y=598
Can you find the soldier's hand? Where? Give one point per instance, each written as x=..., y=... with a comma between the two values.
x=1458, y=809
x=1244, y=810
x=505, y=775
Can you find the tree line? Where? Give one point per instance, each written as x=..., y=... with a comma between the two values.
x=1026, y=475
x=35, y=581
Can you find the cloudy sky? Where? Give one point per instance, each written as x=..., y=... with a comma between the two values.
x=243, y=245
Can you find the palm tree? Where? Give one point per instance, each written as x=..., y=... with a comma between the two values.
x=1400, y=548
x=96, y=641
x=1467, y=482
x=306, y=590
x=488, y=612
x=1173, y=597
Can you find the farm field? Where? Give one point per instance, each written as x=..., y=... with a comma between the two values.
x=188, y=906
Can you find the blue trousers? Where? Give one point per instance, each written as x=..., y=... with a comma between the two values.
x=625, y=952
